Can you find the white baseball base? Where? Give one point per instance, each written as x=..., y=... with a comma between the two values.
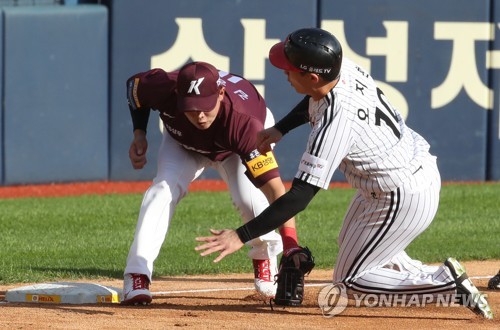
x=64, y=293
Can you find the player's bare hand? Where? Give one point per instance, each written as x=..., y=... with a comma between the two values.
x=224, y=241
x=266, y=138
x=137, y=150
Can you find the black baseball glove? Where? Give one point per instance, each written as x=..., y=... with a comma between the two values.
x=290, y=279
x=494, y=282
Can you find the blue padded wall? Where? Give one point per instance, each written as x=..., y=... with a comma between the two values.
x=64, y=115
x=494, y=117
x=2, y=158
x=226, y=27
x=56, y=94
x=413, y=47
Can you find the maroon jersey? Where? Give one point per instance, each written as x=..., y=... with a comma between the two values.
x=242, y=114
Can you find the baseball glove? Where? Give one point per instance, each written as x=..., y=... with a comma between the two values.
x=290, y=279
x=494, y=282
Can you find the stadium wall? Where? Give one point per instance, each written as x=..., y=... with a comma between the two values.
x=64, y=115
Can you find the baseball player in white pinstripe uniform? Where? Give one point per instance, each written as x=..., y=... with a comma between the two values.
x=355, y=129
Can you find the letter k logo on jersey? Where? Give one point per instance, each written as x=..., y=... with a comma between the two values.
x=194, y=86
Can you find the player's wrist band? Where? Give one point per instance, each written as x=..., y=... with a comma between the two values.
x=243, y=234
x=284, y=208
x=282, y=130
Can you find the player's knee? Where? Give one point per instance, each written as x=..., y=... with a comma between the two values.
x=172, y=192
x=249, y=204
x=244, y=207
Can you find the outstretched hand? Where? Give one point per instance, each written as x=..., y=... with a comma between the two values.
x=267, y=138
x=225, y=241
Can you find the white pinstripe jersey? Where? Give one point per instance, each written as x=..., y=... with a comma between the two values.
x=355, y=129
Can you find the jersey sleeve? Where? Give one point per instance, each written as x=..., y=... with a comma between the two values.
x=329, y=143
x=146, y=91
x=246, y=115
x=259, y=168
x=285, y=207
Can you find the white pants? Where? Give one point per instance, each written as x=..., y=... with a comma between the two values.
x=376, y=231
x=177, y=168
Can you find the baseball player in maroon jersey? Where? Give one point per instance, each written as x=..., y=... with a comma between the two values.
x=356, y=129
x=211, y=119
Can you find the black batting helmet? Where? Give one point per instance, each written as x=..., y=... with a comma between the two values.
x=309, y=50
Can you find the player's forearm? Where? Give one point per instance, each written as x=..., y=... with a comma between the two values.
x=273, y=189
x=140, y=118
x=284, y=208
x=298, y=116
x=139, y=133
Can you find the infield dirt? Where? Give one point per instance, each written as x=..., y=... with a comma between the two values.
x=227, y=301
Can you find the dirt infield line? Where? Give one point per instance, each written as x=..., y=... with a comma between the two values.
x=195, y=308
x=165, y=293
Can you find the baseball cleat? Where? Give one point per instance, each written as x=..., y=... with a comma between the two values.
x=468, y=295
x=136, y=290
x=494, y=282
x=265, y=271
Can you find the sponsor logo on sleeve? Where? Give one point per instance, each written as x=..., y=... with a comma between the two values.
x=259, y=164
